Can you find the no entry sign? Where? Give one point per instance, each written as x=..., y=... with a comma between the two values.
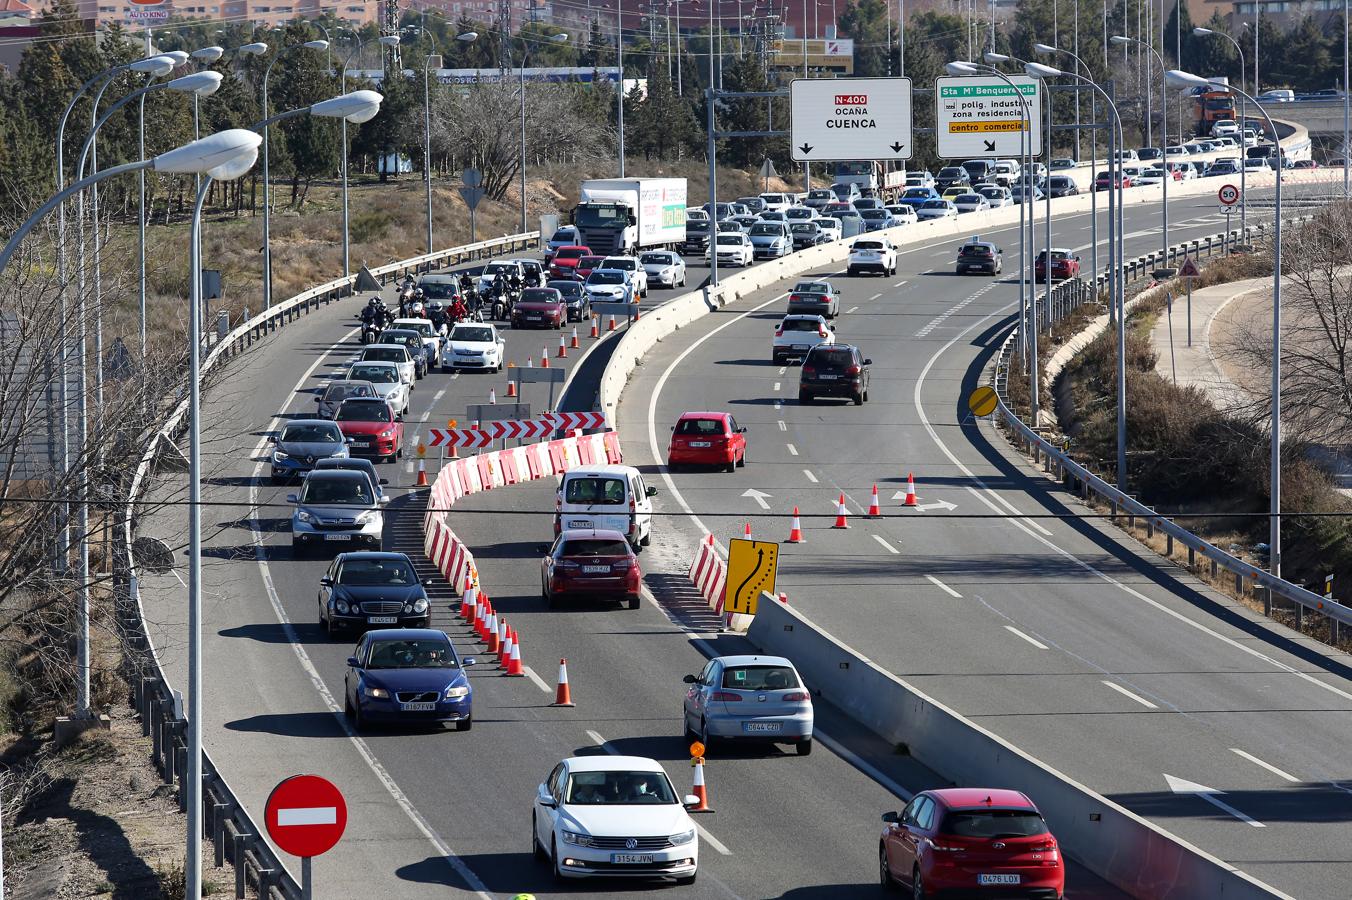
x=306, y=815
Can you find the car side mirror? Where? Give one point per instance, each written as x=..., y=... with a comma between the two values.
x=868, y=362
x=326, y=581
x=546, y=799
x=690, y=679
x=742, y=430
x=891, y=818
x=469, y=661
x=292, y=498
x=272, y=438
x=690, y=801
x=383, y=500
x=352, y=662
x=651, y=492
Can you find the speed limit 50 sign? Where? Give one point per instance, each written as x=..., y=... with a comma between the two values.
x=1228, y=194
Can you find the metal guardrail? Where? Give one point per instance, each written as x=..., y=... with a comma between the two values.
x=231, y=830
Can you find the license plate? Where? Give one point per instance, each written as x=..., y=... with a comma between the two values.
x=596, y=570
x=700, y=444
x=800, y=346
x=828, y=377
x=382, y=620
x=361, y=443
x=998, y=879
x=773, y=727
x=580, y=523
x=631, y=858
x=417, y=707
x=533, y=318
x=337, y=537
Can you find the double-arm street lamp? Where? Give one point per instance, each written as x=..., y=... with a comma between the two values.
x=1123, y=40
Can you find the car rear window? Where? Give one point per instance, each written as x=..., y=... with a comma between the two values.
x=699, y=426
x=993, y=823
x=768, y=228
x=975, y=250
x=311, y=433
x=436, y=289
x=589, y=262
x=809, y=287
x=656, y=259
x=805, y=227
x=760, y=678
x=346, y=491
x=833, y=359
x=364, y=411
x=372, y=572
x=570, y=253
x=382, y=354
x=376, y=374
x=594, y=547
x=874, y=214
x=867, y=245
x=801, y=325
x=594, y=490
x=343, y=391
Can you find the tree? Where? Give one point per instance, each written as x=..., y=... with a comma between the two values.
x=396, y=127
x=866, y=21
x=660, y=124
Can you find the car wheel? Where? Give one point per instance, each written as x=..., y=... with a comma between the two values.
x=537, y=850
x=804, y=397
x=465, y=724
x=705, y=737
x=297, y=549
x=730, y=467
x=741, y=460
x=347, y=706
x=804, y=748
x=330, y=630
x=554, y=855
x=358, y=720
x=646, y=539
x=858, y=399
x=634, y=601
x=917, y=885
x=281, y=479
x=687, y=879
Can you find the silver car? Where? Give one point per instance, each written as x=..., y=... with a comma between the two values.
x=384, y=377
x=749, y=698
x=339, y=508
x=664, y=268
x=391, y=353
x=335, y=392
x=302, y=442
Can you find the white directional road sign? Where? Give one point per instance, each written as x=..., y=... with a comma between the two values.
x=980, y=116
x=850, y=119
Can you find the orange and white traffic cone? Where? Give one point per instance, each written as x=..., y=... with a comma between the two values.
x=573, y=344
x=544, y=358
x=563, y=348
x=874, y=510
x=595, y=326
x=636, y=312
x=611, y=326
x=910, y=490
x=422, y=473
x=504, y=643
x=795, y=530
x=485, y=610
x=514, y=665
x=841, y=514
x=479, y=610
x=562, y=696
x=746, y=532
x=468, y=600
x=511, y=388
x=699, y=789
x=492, y=397
x=491, y=631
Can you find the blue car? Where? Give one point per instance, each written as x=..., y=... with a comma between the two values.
x=915, y=197
x=407, y=676
x=303, y=442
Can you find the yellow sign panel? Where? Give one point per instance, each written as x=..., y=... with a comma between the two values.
x=983, y=400
x=752, y=567
x=1001, y=125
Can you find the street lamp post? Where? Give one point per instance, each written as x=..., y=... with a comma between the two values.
x=1182, y=79
x=1243, y=92
x=559, y=38
x=1164, y=150
x=267, y=193
x=619, y=95
x=468, y=37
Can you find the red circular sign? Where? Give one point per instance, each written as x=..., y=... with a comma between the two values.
x=1228, y=194
x=306, y=815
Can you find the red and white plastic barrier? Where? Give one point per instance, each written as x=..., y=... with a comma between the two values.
x=709, y=573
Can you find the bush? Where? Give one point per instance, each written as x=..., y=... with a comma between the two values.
x=366, y=227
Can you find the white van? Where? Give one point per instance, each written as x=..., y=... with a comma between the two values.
x=777, y=202
x=609, y=497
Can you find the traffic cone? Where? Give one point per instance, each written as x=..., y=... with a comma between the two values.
x=746, y=532
x=563, y=348
x=530, y=363
x=841, y=514
x=514, y=666
x=504, y=643
x=874, y=510
x=562, y=696
x=544, y=358
x=422, y=473
x=783, y=598
x=491, y=631
x=611, y=326
x=468, y=600
x=795, y=530
x=636, y=312
x=595, y=327
x=477, y=612
x=492, y=397
x=699, y=790
x=485, y=610
x=573, y=344
x=511, y=388
x=910, y=490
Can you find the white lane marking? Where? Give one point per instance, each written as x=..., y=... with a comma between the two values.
x=782, y=369
x=1266, y=765
x=943, y=317
x=855, y=760
x=851, y=309
x=708, y=838
x=777, y=384
x=779, y=404
x=436, y=398
x=943, y=587
x=307, y=665
x=875, y=296
x=538, y=681
x=782, y=426
x=1019, y=634
x=886, y=546
x=1126, y=693
x=1018, y=512
x=810, y=477
x=1179, y=786
x=898, y=283
x=308, y=815
x=793, y=451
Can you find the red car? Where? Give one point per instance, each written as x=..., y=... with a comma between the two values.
x=1064, y=265
x=707, y=438
x=587, y=563
x=540, y=308
x=971, y=841
x=371, y=428
x=564, y=263
x=1105, y=181
x=586, y=265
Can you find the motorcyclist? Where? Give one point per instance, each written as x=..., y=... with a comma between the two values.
x=372, y=310
x=466, y=283
x=437, y=315
x=459, y=312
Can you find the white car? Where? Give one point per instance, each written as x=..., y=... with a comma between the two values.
x=801, y=214
x=995, y=195
x=392, y=353
x=473, y=345
x=873, y=254
x=1257, y=164
x=830, y=227
x=902, y=214
x=664, y=268
x=637, y=273
x=970, y=203
x=733, y=250
x=608, y=286
x=937, y=209
x=777, y=202
x=616, y=816
x=508, y=267
x=795, y=335
x=695, y=214
x=384, y=377
x=1224, y=128
x=1184, y=169
x=923, y=178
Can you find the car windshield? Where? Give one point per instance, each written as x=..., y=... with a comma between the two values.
x=875, y=214
x=656, y=259
x=804, y=227
x=819, y=194
x=373, y=572
x=539, y=295
x=385, y=354
x=730, y=239
x=422, y=326
x=991, y=192
x=436, y=289
x=766, y=228
x=936, y=204
x=377, y=374
x=595, y=489
x=605, y=276
x=343, y=491
x=595, y=547
x=951, y=172
x=627, y=265
x=566, y=288
x=618, y=788
x=423, y=653
x=697, y=225
x=993, y=823
x=828, y=224
x=968, y=198
x=760, y=678
x=476, y=334
x=343, y=391
x=403, y=338
x=496, y=267
x=800, y=325
x=364, y=411
x=700, y=427
x=565, y=234
x=311, y=433
x=799, y=212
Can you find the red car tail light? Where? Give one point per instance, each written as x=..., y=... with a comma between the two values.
x=822, y=331
x=725, y=696
x=853, y=370
x=796, y=697
x=779, y=332
x=809, y=370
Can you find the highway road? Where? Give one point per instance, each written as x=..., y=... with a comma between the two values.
x=450, y=811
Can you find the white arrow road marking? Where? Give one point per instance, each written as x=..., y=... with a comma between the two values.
x=758, y=496
x=922, y=507
x=313, y=815
x=1210, y=795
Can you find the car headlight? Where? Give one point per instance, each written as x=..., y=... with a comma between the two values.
x=457, y=691
x=303, y=516
x=278, y=456
x=367, y=517
x=581, y=840
x=420, y=605
x=341, y=607
x=377, y=693
x=387, y=433
x=684, y=837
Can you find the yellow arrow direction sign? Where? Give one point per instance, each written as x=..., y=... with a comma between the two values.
x=752, y=567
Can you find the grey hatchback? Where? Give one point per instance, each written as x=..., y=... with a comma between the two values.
x=302, y=442
x=749, y=698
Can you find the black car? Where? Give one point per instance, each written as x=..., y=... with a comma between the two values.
x=980, y=256
x=806, y=234
x=574, y=297
x=1062, y=186
x=696, y=236
x=837, y=370
x=371, y=589
x=951, y=176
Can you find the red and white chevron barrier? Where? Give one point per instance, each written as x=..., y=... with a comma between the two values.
x=572, y=420
x=547, y=424
x=472, y=438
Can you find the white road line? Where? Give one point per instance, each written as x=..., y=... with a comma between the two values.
x=810, y=477
x=886, y=546
x=1126, y=693
x=851, y=309
x=875, y=296
x=898, y=283
x=1266, y=765
x=1015, y=510
x=782, y=426
x=1019, y=634
x=777, y=384
x=708, y=838
x=539, y=682
x=782, y=369
x=943, y=587
x=793, y=451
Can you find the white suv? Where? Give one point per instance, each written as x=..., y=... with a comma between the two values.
x=631, y=265
x=734, y=249
x=797, y=334
x=873, y=254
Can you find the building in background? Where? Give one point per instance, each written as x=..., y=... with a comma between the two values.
x=18, y=27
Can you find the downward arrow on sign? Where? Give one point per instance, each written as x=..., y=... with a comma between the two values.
x=896, y=148
x=806, y=148
x=758, y=496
